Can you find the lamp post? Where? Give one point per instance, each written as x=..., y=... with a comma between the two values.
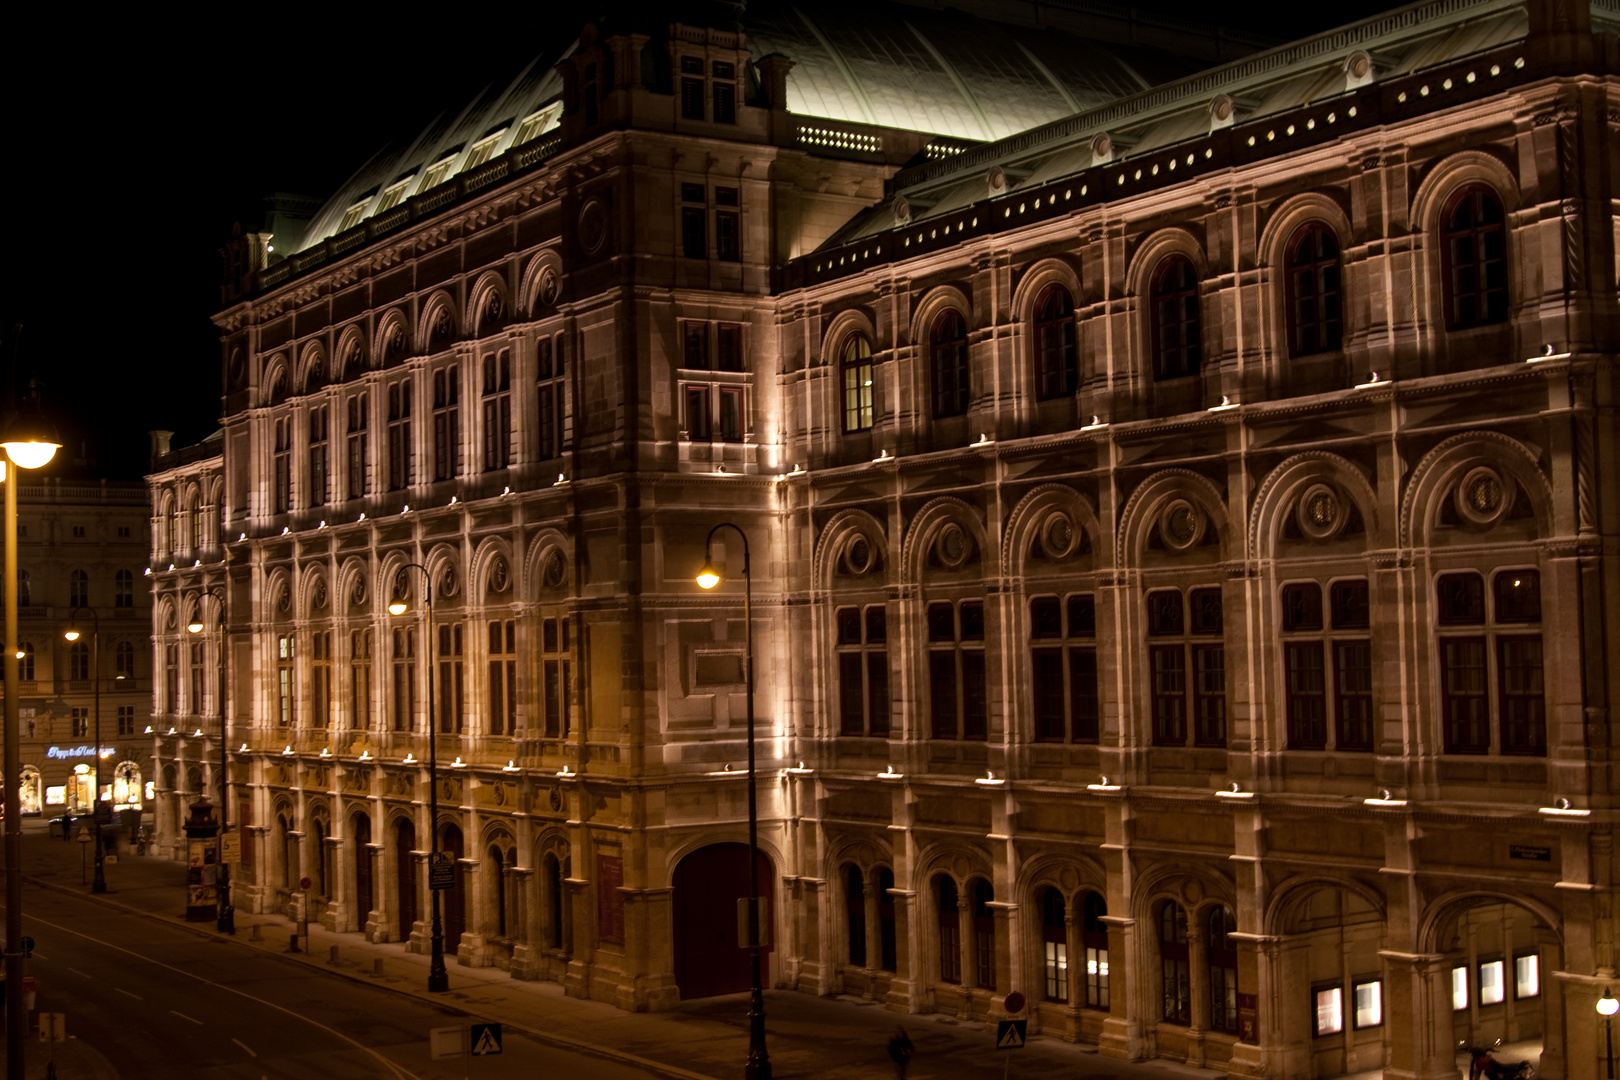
x=758, y=1066
x=29, y=444
x=227, y=914
x=98, y=883
x=438, y=978
x=1607, y=1006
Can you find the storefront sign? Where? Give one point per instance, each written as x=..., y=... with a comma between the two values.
x=65, y=752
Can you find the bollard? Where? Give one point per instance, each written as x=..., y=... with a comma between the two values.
x=333, y=959
x=254, y=936
x=292, y=944
x=376, y=968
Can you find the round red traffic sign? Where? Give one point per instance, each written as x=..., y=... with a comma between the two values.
x=304, y=883
x=1014, y=1002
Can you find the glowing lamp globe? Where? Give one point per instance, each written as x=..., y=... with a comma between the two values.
x=398, y=607
x=1607, y=1005
x=708, y=577
x=72, y=635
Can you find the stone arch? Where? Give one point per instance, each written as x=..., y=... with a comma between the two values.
x=278, y=381
x=1442, y=912
x=490, y=550
x=852, y=320
x=835, y=538
x=439, y=309
x=1193, y=886
x=1036, y=277
x=959, y=860
x=313, y=370
x=1289, y=894
x=1295, y=211
x=393, y=341
x=1283, y=485
x=931, y=305
x=1071, y=874
x=724, y=834
x=489, y=287
x=1158, y=245
x=1028, y=517
x=353, y=572
x=1454, y=171
x=542, y=282
x=278, y=587
x=537, y=563
x=1441, y=466
x=704, y=880
x=925, y=528
x=1141, y=510
x=444, y=567
x=310, y=581
x=858, y=851
x=351, y=353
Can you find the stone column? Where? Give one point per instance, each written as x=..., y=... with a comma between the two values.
x=1198, y=989
x=874, y=933
x=1120, y=1035
x=965, y=943
x=904, y=987
x=1550, y=958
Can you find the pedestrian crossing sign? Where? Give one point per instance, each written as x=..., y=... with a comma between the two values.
x=1011, y=1034
x=486, y=1039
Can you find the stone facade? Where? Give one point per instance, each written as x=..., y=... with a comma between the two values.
x=1180, y=558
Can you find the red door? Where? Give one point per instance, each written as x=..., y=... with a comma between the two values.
x=405, y=866
x=362, y=868
x=455, y=897
x=708, y=884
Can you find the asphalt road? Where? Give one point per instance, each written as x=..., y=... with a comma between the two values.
x=156, y=1000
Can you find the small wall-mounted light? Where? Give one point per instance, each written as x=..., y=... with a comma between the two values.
x=1102, y=784
x=1097, y=424
x=1373, y=380
x=171, y=731
x=1234, y=792
x=883, y=455
x=506, y=491
x=410, y=758
x=797, y=470
x=197, y=734
x=326, y=751
x=566, y=772
x=1547, y=354
x=242, y=749
x=510, y=766
x=798, y=770
x=148, y=729
x=888, y=773
x=984, y=440
x=561, y=480
x=1226, y=404
x=365, y=755
x=322, y=525
x=147, y=572
x=287, y=751
x=1385, y=799
x=458, y=763
x=243, y=536
x=404, y=509
x=1562, y=808
x=285, y=529
x=990, y=779
x=362, y=516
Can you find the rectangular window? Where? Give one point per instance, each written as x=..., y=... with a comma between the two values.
x=286, y=689
x=697, y=414
x=360, y=680
x=1492, y=988
x=1368, y=1004
x=958, y=697
x=725, y=102
x=404, y=695
x=394, y=194
x=727, y=226
x=452, y=681
x=399, y=436
x=483, y=150
x=1459, y=989
x=359, y=412
x=1307, y=695
x=550, y=390
x=554, y=664
x=439, y=171
x=609, y=900
x=1209, y=694
x=731, y=414
x=694, y=233
x=1462, y=690
x=195, y=702
x=1329, y=1010
x=283, y=467
x=1522, y=700
x=317, y=455
x=1169, y=694
x=695, y=345
x=81, y=722
x=446, y=423
x=1063, y=666
x=1353, y=703
x=691, y=88
x=126, y=720
x=1526, y=976
x=1057, y=971
x=320, y=675
x=729, y=355
x=863, y=670
x=498, y=410
x=503, y=677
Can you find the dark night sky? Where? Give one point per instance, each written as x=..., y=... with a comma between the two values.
x=135, y=138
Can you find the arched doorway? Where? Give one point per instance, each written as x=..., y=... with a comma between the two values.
x=1334, y=936
x=405, y=869
x=455, y=897
x=708, y=883
x=1499, y=956
x=364, y=896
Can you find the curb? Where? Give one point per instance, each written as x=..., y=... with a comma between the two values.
x=562, y=1042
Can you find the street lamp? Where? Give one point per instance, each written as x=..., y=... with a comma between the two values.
x=98, y=884
x=227, y=914
x=758, y=1066
x=438, y=978
x=1607, y=1006
x=29, y=443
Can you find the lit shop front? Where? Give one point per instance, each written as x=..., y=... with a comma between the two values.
x=67, y=782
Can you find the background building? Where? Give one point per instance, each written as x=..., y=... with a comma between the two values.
x=1178, y=512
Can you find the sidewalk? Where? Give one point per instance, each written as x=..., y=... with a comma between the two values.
x=807, y=1036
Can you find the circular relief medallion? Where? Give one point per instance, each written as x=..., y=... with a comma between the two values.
x=858, y=555
x=493, y=309
x=552, y=575
x=498, y=579
x=357, y=592
x=554, y=798
x=1181, y=525
x=284, y=598
x=1483, y=497
x=549, y=287
x=238, y=370
x=953, y=547
x=1058, y=536
x=1320, y=513
x=319, y=598
x=449, y=581
x=592, y=227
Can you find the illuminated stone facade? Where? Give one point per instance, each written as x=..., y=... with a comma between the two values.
x=1180, y=543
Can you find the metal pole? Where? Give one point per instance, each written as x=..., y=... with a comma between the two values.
x=16, y=1013
x=1608, y=1038
x=98, y=884
x=227, y=914
x=438, y=978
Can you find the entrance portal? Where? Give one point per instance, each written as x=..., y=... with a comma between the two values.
x=708, y=884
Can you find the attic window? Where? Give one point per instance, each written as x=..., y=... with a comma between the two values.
x=352, y=216
x=483, y=150
x=439, y=171
x=531, y=127
x=395, y=194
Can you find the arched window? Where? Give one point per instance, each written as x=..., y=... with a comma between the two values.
x=856, y=368
x=289, y=850
x=127, y=784
x=1094, y=936
x=1222, y=970
x=984, y=935
x=25, y=663
x=554, y=901
x=1177, y=330
x=1314, y=310
x=123, y=589
x=886, y=923
x=1057, y=369
x=497, y=881
x=78, y=588
x=1176, y=991
x=1055, y=945
x=855, y=902
x=1474, y=257
x=947, y=362
x=950, y=929
x=28, y=791
x=320, y=834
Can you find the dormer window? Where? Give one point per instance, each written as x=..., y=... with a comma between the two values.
x=394, y=194
x=588, y=96
x=352, y=216
x=725, y=92
x=439, y=171
x=484, y=149
x=532, y=126
x=691, y=88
